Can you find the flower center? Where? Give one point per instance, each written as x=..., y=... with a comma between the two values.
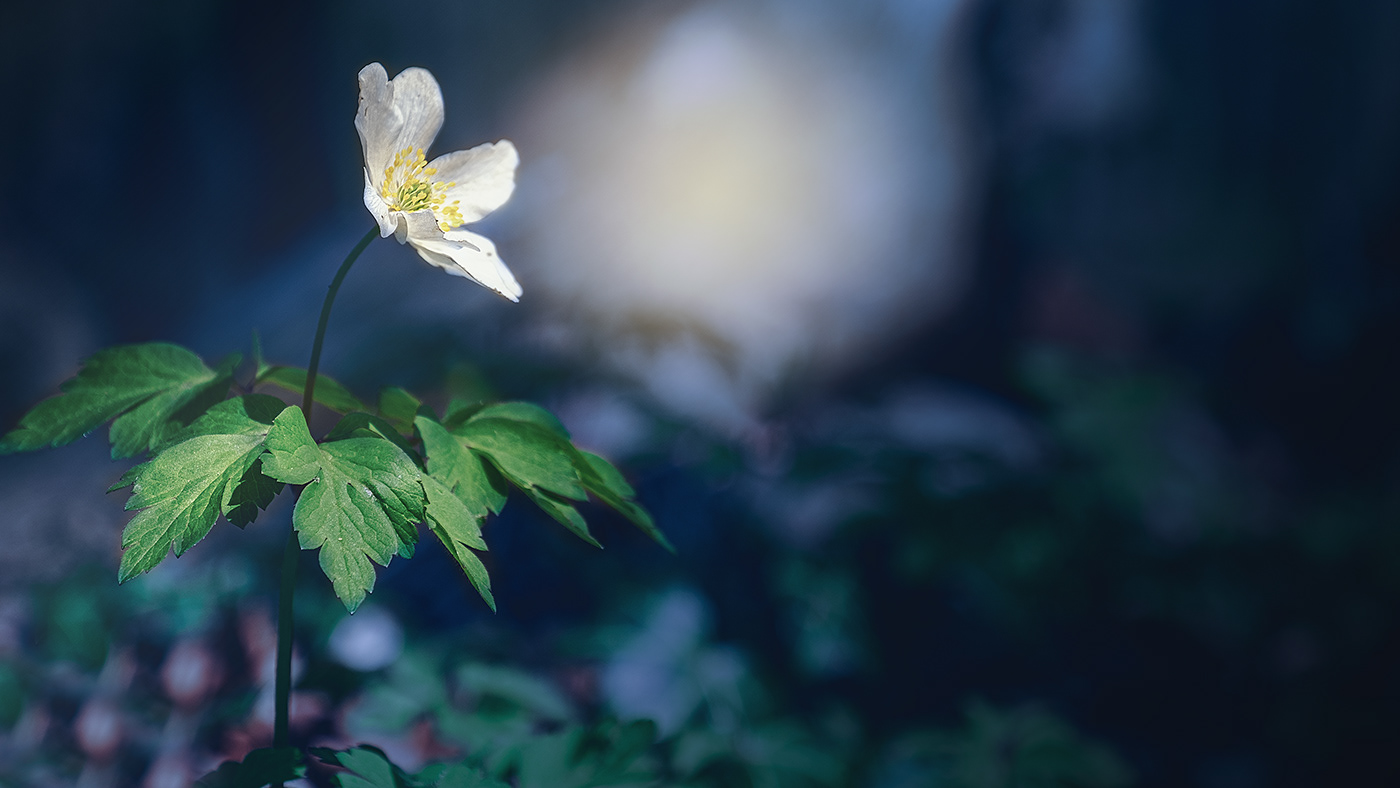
x=407, y=188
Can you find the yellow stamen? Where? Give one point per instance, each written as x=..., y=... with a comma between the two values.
x=406, y=188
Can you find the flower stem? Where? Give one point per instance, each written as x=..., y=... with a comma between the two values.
x=315, y=364
x=283, y=690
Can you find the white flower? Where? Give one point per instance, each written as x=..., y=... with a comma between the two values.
x=425, y=203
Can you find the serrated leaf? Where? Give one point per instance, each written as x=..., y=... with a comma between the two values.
x=328, y=391
x=460, y=469
x=152, y=423
x=452, y=514
x=398, y=407
x=180, y=494
x=250, y=414
x=360, y=503
x=129, y=478
x=292, y=455
x=606, y=482
x=565, y=513
x=258, y=768
x=597, y=474
x=458, y=529
x=526, y=453
x=148, y=383
x=524, y=411
x=252, y=492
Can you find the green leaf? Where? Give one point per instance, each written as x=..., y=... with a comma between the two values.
x=516, y=687
x=363, y=425
x=368, y=768
x=604, y=755
x=597, y=474
x=526, y=453
x=181, y=493
x=458, y=529
x=606, y=482
x=565, y=513
x=129, y=478
x=150, y=384
x=251, y=414
x=252, y=492
x=531, y=447
x=398, y=407
x=328, y=392
x=460, y=469
x=459, y=410
x=257, y=769
x=464, y=776
x=360, y=503
x=153, y=422
x=527, y=412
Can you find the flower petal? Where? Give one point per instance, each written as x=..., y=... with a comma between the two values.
x=465, y=253
x=485, y=177
x=417, y=226
x=405, y=112
x=418, y=99
x=376, y=121
x=379, y=210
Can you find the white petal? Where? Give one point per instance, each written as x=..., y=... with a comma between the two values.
x=417, y=226
x=485, y=177
x=465, y=253
x=376, y=121
x=418, y=99
x=405, y=112
x=379, y=210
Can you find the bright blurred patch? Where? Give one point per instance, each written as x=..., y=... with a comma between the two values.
x=740, y=194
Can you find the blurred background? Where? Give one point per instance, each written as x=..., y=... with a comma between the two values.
x=1015, y=379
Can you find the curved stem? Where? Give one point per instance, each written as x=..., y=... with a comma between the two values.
x=283, y=690
x=306, y=397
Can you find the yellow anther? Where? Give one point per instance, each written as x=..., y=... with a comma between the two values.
x=407, y=188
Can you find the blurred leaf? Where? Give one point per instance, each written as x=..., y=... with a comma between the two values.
x=399, y=408
x=368, y=768
x=528, y=693
x=144, y=387
x=461, y=776
x=257, y=769
x=328, y=392
x=76, y=625
x=364, y=425
x=1011, y=748
x=361, y=500
x=605, y=755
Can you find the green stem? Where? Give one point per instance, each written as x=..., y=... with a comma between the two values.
x=306, y=397
x=280, y=736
